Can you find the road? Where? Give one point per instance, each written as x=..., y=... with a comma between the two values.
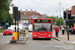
x=34, y=44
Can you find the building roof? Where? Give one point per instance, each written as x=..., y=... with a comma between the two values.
x=43, y=16
x=24, y=17
x=23, y=13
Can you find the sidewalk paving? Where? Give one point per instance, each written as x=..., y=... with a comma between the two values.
x=63, y=38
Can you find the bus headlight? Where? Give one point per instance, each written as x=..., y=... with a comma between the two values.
x=35, y=35
x=49, y=35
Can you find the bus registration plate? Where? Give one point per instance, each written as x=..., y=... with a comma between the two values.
x=41, y=37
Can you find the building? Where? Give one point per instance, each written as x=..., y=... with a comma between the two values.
x=43, y=16
x=27, y=16
x=73, y=10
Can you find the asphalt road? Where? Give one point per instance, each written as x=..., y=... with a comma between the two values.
x=34, y=44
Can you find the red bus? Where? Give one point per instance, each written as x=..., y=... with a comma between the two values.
x=42, y=28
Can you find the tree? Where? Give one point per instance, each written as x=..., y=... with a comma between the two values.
x=4, y=9
x=10, y=19
x=53, y=18
x=58, y=21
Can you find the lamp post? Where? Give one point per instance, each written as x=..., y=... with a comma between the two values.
x=5, y=25
x=60, y=14
x=63, y=16
x=21, y=17
x=56, y=14
x=8, y=21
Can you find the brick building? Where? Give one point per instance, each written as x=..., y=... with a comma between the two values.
x=73, y=10
x=27, y=16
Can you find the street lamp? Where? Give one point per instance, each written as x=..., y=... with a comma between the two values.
x=60, y=14
x=5, y=25
x=21, y=17
x=63, y=16
x=8, y=21
x=56, y=14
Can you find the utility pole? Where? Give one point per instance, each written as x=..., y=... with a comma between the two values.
x=60, y=14
x=63, y=17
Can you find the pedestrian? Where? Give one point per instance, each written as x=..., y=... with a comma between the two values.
x=63, y=30
x=56, y=31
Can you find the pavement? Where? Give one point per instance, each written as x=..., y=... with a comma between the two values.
x=64, y=38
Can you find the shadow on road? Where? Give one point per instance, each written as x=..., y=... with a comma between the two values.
x=42, y=39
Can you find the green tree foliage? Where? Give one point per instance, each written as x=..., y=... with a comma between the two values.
x=9, y=19
x=4, y=9
x=53, y=18
x=58, y=21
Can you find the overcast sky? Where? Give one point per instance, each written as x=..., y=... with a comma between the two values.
x=48, y=7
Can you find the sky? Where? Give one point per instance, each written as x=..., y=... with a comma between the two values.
x=49, y=7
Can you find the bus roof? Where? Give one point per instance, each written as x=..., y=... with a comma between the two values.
x=41, y=18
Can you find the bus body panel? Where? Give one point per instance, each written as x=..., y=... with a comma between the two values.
x=41, y=34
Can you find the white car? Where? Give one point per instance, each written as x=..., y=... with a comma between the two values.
x=30, y=28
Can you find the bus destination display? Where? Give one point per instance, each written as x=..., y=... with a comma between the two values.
x=42, y=20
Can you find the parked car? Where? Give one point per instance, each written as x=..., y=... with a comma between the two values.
x=8, y=32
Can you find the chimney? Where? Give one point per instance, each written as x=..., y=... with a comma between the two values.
x=20, y=9
x=31, y=10
x=26, y=10
x=35, y=11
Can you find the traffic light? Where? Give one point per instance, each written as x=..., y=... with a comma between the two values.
x=18, y=18
x=64, y=14
x=15, y=12
x=69, y=14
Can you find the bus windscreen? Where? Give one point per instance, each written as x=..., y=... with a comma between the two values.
x=42, y=20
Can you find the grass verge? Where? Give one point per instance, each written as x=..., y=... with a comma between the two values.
x=1, y=30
